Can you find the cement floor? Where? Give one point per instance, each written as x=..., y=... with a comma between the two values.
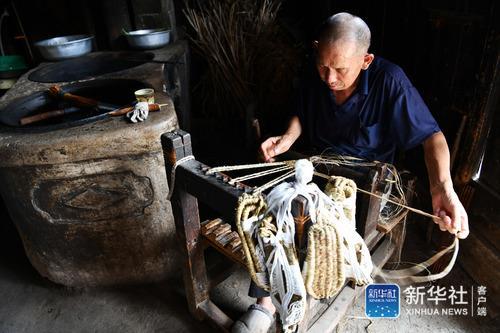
x=30, y=303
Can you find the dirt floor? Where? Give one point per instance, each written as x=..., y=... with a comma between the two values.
x=30, y=303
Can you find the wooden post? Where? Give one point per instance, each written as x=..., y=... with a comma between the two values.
x=398, y=233
x=177, y=145
x=377, y=177
x=300, y=213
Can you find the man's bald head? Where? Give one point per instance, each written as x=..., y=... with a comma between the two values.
x=343, y=27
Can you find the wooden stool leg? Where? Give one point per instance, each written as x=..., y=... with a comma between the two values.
x=177, y=145
x=187, y=224
x=300, y=213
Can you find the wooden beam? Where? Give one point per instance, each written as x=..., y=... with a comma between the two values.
x=209, y=189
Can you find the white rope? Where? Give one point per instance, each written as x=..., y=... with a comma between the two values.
x=281, y=279
x=172, y=174
x=247, y=166
x=285, y=278
x=259, y=174
x=271, y=183
x=408, y=275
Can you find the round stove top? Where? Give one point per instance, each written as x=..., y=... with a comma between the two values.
x=89, y=66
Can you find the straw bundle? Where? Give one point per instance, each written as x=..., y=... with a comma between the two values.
x=228, y=34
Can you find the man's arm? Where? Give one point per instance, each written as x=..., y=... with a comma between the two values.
x=445, y=202
x=279, y=144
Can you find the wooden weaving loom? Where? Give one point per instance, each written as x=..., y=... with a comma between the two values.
x=193, y=184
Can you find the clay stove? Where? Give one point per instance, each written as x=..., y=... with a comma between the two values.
x=88, y=192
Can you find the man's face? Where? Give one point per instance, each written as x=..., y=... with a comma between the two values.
x=340, y=63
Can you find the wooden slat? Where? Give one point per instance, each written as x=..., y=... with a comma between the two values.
x=382, y=253
x=235, y=244
x=372, y=238
x=336, y=311
x=210, y=225
x=221, y=230
x=315, y=309
x=217, y=318
x=223, y=239
x=386, y=227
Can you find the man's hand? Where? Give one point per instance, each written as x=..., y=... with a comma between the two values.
x=279, y=144
x=274, y=146
x=445, y=202
x=448, y=207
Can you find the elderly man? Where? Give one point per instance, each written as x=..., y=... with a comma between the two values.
x=360, y=105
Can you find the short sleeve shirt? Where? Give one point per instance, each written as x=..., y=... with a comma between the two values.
x=384, y=113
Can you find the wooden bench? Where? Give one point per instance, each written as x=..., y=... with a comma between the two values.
x=193, y=184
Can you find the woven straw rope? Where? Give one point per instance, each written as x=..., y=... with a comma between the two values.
x=251, y=206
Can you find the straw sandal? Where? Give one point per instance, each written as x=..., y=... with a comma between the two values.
x=335, y=251
x=343, y=191
x=324, y=271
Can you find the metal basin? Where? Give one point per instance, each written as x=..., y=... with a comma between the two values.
x=148, y=38
x=65, y=47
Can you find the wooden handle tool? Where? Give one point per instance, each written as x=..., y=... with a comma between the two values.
x=47, y=115
x=57, y=92
x=58, y=113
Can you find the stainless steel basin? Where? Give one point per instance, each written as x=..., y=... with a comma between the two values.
x=148, y=38
x=65, y=47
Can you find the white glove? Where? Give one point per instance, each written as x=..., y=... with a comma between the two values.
x=140, y=112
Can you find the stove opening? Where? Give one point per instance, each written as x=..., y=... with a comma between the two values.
x=89, y=66
x=109, y=92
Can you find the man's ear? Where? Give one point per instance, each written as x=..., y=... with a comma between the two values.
x=367, y=60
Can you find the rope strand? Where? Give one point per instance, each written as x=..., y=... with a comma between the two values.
x=259, y=174
x=273, y=182
x=418, y=211
x=247, y=166
x=335, y=160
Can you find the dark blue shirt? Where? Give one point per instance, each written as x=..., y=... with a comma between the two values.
x=384, y=113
